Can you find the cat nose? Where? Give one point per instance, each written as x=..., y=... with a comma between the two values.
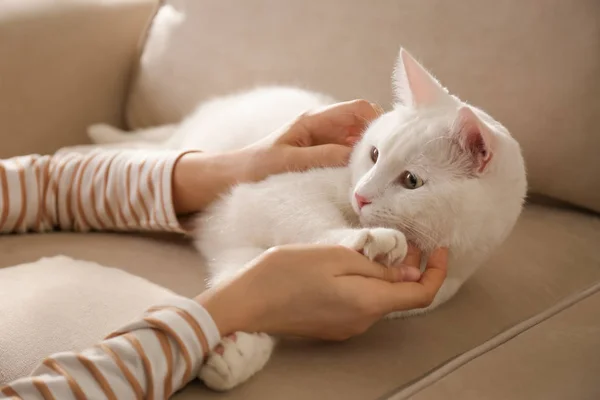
x=361, y=200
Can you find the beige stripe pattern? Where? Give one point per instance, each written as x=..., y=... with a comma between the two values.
x=102, y=190
x=148, y=370
x=71, y=382
x=126, y=190
x=98, y=377
x=166, y=348
x=43, y=389
x=9, y=392
x=148, y=359
x=137, y=389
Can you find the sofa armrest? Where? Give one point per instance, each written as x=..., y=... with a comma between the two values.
x=63, y=66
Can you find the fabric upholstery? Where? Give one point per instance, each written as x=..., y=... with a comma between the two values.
x=64, y=65
x=535, y=68
x=58, y=303
x=551, y=361
x=551, y=254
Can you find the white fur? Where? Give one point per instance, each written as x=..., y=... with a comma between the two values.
x=469, y=201
x=225, y=123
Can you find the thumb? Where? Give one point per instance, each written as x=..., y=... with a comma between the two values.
x=419, y=294
x=326, y=155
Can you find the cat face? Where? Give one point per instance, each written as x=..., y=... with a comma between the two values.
x=435, y=167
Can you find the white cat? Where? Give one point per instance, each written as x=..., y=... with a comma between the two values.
x=434, y=170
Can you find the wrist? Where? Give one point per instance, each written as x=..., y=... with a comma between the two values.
x=229, y=308
x=200, y=178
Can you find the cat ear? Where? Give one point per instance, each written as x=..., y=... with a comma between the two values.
x=413, y=85
x=475, y=137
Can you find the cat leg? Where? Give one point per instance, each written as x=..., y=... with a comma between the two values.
x=240, y=355
x=380, y=244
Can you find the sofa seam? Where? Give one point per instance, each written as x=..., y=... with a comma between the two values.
x=452, y=364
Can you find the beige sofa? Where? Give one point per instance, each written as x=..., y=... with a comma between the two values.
x=526, y=326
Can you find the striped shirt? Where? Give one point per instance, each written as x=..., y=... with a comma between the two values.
x=150, y=358
x=102, y=190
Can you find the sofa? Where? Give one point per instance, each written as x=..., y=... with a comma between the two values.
x=525, y=326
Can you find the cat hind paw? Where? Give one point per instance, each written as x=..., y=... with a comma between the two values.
x=236, y=359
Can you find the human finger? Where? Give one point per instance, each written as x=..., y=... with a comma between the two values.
x=362, y=266
x=436, y=270
x=410, y=295
x=341, y=123
x=413, y=257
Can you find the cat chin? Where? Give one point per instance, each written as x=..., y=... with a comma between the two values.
x=367, y=221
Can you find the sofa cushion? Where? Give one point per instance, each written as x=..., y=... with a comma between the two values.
x=550, y=361
x=59, y=303
x=64, y=65
x=551, y=254
x=535, y=68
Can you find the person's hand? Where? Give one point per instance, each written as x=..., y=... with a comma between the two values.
x=318, y=138
x=327, y=292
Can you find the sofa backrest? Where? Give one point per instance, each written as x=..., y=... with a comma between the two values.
x=533, y=65
x=63, y=66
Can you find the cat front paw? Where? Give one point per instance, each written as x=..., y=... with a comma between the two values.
x=383, y=245
x=236, y=359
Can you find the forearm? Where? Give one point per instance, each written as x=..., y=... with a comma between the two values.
x=110, y=190
x=201, y=178
x=150, y=358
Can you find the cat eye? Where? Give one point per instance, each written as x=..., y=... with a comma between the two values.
x=410, y=180
x=374, y=154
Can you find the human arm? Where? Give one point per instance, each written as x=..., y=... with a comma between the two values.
x=147, y=190
x=318, y=138
x=158, y=354
x=150, y=358
x=102, y=190
x=281, y=289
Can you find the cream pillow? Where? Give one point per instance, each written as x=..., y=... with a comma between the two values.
x=58, y=304
x=536, y=69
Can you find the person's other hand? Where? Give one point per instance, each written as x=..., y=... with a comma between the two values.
x=327, y=292
x=318, y=138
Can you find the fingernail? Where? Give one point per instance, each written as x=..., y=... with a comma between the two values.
x=410, y=274
x=378, y=109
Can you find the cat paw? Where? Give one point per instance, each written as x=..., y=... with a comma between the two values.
x=383, y=245
x=235, y=359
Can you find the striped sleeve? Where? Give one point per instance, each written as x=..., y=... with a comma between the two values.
x=151, y=358
x=102, y=190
